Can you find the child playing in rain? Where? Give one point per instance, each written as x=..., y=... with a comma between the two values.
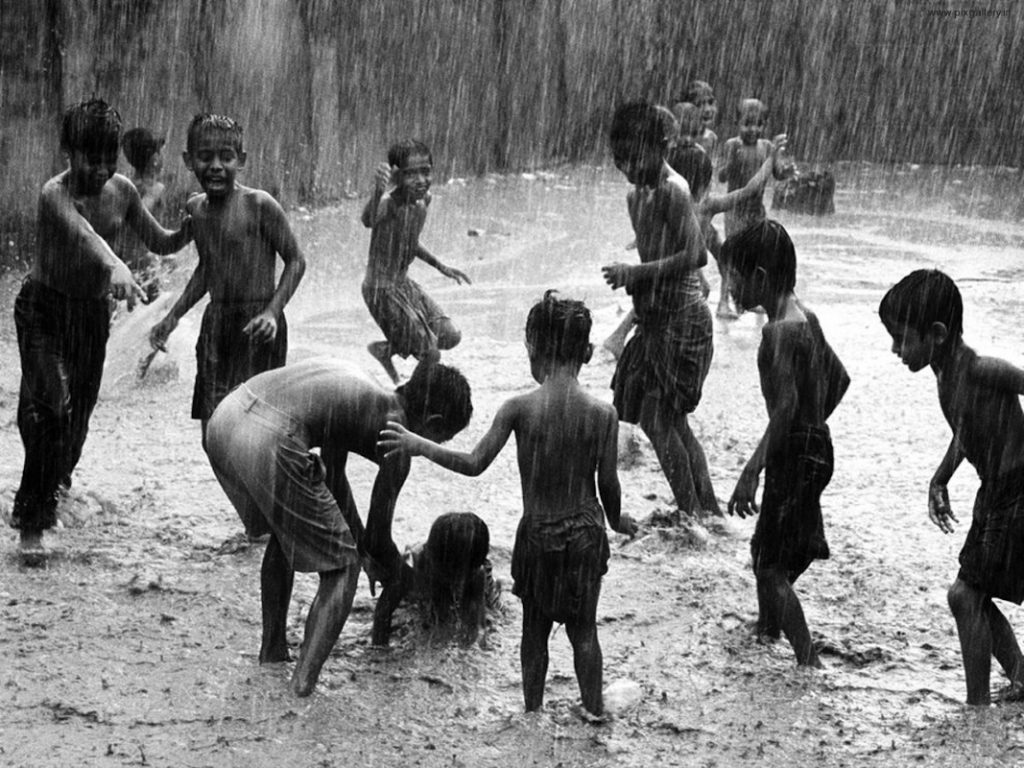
x=702, y=96
x=565, y=438
x=239, y=233
x=802, y=381
x=412, y=322
x=259, y=443
x=661, y=372
x=142, y=151
x=62, y=312
x=923, y=314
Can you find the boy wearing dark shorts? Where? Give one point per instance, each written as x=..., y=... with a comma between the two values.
x=803, y=381
x=239, y=233
x=980, y=399
x=566, y=438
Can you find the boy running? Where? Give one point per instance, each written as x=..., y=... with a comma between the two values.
x=980, y=399
x=62, y=314
x=239, y=231
x=565, y=438
x=259, y=441
x=803, y=381
x=142, y=151
x=412, y=322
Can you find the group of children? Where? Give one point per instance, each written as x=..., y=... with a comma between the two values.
x=278, y=437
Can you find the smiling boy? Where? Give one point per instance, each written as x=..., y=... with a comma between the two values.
x=239, y=232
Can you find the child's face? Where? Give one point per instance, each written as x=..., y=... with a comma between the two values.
x=91, y=169
x=746, y=289
x=752, y=125
x=413, y=179
x=215, y=160
x=914, y=349
x=708, y=106
x=640, y=164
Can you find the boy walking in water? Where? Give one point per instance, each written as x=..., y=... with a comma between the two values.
x=239, y=231
x=802, y=380
x=142, y=150
x=62, y=314
x=980, y=398
x=259, y=441
x=565, y=439
x=661, y=372
x=412, y=322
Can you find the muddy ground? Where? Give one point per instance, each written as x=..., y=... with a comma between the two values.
x=137, y=644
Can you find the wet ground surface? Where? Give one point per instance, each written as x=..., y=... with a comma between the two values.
x=137, y=644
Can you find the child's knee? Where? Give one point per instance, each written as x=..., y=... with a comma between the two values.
x=448, y=336
x=962, y=597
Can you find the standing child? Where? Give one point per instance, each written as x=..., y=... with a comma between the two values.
x=565, y=438
x=62, y=313
x=412, y=322
x=979, y=396
x=702, y=96
x=803, y=381
x=660, y=375
x=142, y=150
x=239, y=233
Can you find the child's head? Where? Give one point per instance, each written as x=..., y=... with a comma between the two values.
x=753, y=117
x=413, y=166
x=437, y=401
x=213, y=152
x=924, y=314
x=694, y=165
x=701, y=95
x=762, y=263
x=690, y=122
x=639, y=138
x=90, y=134
x=558, y=332
x=142, y=149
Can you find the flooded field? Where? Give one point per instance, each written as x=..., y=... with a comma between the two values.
x=137, y=645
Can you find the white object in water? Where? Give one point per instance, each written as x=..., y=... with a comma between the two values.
x=622, y=695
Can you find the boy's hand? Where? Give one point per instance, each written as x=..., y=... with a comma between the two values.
x=262, y=328
x=159, y=333
x=742, y=502
x=938, y=508
x=382, y=177
x=457, y=275
x=618, y=275
x=123, y=286
x=627, y=525
x=395, y=438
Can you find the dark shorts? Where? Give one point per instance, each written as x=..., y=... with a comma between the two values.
x=790, y=531
x=407, y=316
x=226, y=357
x=992, y=558
x=261, y=458
x=557, y=565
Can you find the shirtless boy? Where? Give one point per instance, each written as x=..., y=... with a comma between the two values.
x=412, y=322
x=62, y=313
x=980, y=398
x=259, y=442
x=802, y=381
x=565, y=438
x=239, y=233
x=142, y=151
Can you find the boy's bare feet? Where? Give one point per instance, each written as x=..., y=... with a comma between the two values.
x=31, y=550
x=1009, y=694
x=381, y=352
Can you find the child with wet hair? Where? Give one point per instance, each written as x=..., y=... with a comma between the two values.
x=240, y=232
x=660, y=375
x=702, y=96
x=62, y=312
x=980, y=398
x=142, y=150
x=566, y=439
x=412, y=322
x=802, y=380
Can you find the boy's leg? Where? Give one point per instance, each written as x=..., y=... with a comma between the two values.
x=659, y=424
x=85, y=372
x=699, y=469
x=448, y=336
x=780, y=607
x=976, y=641
x=276, y=580
x=381, y=352
x=533, y=654
x=586, y=653
x=327, y=615
x=1004, y=645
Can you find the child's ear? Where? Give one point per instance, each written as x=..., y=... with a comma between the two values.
x=588, y=354
x=939, y=333
x=186, y=158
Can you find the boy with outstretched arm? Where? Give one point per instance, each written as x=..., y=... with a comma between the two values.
x=803, y=381
x=412, y=322
x=239, y=232
x=565, y=438
x=142, y=151
x=62, y=313
x=259, y=443
x=660, y=375
x=980, y=398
